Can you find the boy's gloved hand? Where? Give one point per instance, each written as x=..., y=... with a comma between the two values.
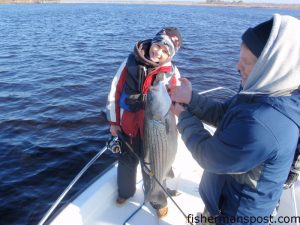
x=136, y=102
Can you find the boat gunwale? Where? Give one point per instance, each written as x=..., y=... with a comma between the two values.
x=79, y=192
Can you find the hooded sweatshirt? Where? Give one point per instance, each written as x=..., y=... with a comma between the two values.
x=276, y=71
x=247, y=160
x=125, y=105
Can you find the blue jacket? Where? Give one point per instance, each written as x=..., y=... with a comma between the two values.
x=247, y=160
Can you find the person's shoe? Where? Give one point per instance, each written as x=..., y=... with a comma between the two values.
x=172, y=192
x=162, y=212
x=121, y=201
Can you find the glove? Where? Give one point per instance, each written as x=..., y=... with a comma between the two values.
x=291, y=180
x=136, y=102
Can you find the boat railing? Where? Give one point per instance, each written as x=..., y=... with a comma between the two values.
x=68, y=188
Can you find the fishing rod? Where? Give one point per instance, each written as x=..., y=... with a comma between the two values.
x=150, y=173
x=55, y=204
x=215, y=89
x=114, y=146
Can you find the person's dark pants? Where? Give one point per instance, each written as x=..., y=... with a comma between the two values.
x=127, y=168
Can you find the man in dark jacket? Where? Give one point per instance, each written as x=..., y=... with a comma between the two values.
x=247, y=160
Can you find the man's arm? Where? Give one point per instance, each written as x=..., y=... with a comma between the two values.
x=236, y=149
x=206, y=109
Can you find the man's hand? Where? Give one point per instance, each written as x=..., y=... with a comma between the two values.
x=114, y=130
x=177, y=108
x=182, y=93
x=291, y=180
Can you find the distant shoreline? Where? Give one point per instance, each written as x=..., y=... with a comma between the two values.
x=246, y=5
x=224, y=4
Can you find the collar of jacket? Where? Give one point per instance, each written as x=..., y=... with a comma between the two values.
x=247, y=98
x=141, y=53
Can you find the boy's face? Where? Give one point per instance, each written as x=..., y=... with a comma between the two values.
x=159, y=53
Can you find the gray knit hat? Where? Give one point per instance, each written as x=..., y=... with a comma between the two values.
x=256, y=38
x=170, y=37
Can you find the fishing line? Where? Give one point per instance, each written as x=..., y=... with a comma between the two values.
x=133, y=214
x=150, y=173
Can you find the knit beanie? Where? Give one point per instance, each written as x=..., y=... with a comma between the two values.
x=256, y=38
x=170, y=37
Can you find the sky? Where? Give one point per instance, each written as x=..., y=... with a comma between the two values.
x=245, y=1
x=250, y=1
x=257, y=1
x=274, y=1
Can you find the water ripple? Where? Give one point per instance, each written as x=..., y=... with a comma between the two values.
x=57, y=62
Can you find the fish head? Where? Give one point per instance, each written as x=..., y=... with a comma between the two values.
x=158, y=100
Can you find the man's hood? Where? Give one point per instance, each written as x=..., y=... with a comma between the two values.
x=277, y=70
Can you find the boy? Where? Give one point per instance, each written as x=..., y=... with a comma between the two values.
x=126, y=101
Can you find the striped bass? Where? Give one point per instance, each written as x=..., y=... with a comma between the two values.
x=160, y=143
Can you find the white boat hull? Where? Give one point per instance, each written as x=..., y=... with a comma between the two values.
x=96, y=205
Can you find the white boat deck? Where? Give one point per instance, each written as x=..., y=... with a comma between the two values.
x=96, y=205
